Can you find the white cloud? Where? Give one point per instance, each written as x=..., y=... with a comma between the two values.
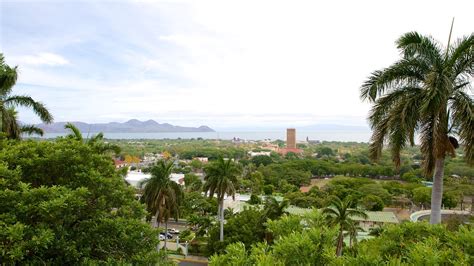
x=225, y=63
x=42, y=59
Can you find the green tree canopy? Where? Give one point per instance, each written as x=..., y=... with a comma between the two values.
x=63, y=203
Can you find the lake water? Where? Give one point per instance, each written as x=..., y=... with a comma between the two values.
x=357, y=136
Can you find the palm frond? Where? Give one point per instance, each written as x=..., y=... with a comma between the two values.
x=76, y=133
x=415, y=45
x=8, y=76
x=461, y=56
x=26, y=101
x=405, y=73
x=462, y=107
x=31, y=129
x=10, y=125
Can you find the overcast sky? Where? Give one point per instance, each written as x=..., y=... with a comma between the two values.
x=226, y=64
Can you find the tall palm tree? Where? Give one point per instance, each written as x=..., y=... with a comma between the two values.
x=8, y=122
x=427, y=92
x=96, y=141
x=221, y=178
x=161, y=195
x=340, y=212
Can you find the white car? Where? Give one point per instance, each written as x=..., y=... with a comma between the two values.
x=173, y=231
x=162, y=237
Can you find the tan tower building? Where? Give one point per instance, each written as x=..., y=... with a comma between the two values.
x=290, y=138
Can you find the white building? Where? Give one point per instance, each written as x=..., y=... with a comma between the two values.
x=259, y=153
x=202, y=159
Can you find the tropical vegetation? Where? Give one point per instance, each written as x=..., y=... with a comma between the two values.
x=9, y=124
x=221, y=178
x=426, y=92
x=161, y=195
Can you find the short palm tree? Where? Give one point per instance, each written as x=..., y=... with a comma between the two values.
x=161, y=195
x=8, y=116
x=274, y=209
x=95, y=141
x=340, y=212
x=352, y=231
x=424, y=93
x=221, y=178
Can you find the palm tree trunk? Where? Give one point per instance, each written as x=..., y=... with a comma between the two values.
x=437, y=192
x=221, y=218
x=350, y=240
x=340, y=239
x=156, y=223
x=166, y=233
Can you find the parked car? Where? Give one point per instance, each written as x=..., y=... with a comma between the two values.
x=173, y=231
x=162, y=237
x=168, y=235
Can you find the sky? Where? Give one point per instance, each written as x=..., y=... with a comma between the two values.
x=225, y=64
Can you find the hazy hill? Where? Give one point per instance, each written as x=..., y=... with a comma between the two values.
x=131, y=126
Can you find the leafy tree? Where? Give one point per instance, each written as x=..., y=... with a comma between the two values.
x=221, y=177
x=196, y=164
x=254, y=199
x=450, y=199
x=195, y=203
x=262, y=160
x=268, y=189
x=285, y=225
x=324, y=151
x=422, y=195
x=377, y=190
x=238, y=254
x=201, y=224
x=372, y=203
x=161, y=195
x=340, y=212
x=8, y=115
x=246, y=226
x=425, y=92
x=410, y=177
x=312, y=247
x=63, y=203
x=415, y=244
x=304, y=200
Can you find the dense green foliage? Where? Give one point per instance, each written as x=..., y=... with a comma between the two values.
x=404, y=244
x=63, y=203
x=246, y=227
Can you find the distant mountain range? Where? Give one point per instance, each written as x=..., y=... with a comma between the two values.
x=131, y=126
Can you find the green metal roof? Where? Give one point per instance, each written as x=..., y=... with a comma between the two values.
x=382, y=217
x=297, y=210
